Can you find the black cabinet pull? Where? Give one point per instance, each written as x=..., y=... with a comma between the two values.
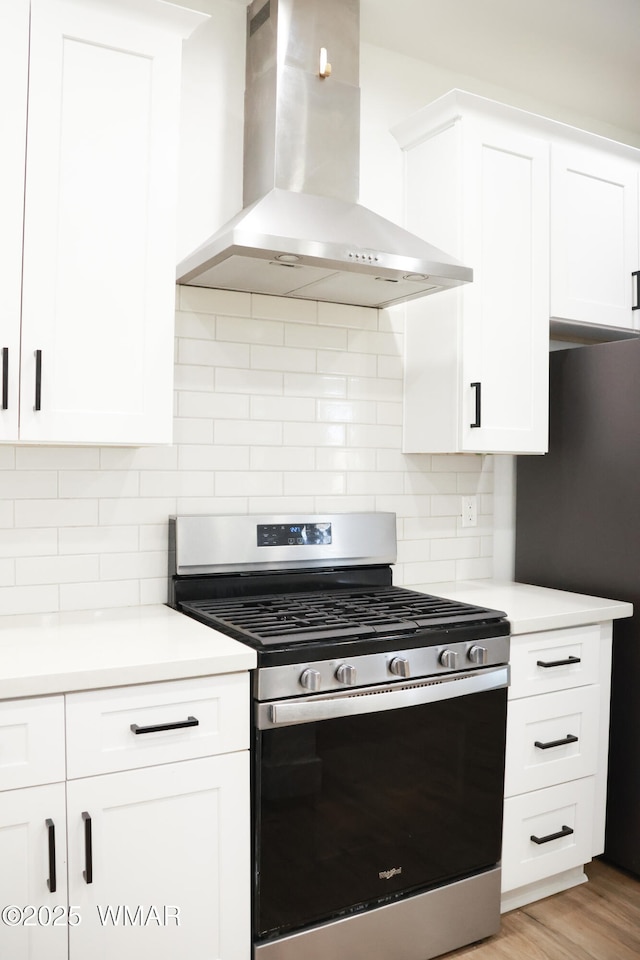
x=570, y=738
x=477, y=386
x=87, y=873
x=38, y=380
x=636, y=274
x=51, y=831
x=557, y=663
x=565, y=832
x=189, y=722
x=5, y=378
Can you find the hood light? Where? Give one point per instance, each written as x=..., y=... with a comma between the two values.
x=288, y=258
x=416, y=276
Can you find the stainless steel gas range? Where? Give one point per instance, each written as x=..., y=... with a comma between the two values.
x=378, y=735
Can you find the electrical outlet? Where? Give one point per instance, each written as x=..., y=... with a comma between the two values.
x=469, y=511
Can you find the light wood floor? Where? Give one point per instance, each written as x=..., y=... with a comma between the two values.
x=598, y=920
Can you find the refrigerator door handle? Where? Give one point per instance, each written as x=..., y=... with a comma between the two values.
x=636, y=275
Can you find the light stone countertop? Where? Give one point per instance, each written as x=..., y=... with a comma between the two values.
x=64, y=652
x=530, y=608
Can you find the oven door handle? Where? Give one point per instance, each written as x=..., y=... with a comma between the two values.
x=377, y=699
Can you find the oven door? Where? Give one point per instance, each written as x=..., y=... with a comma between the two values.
x=367, y=796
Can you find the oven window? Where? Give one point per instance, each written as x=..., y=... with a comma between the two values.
x=355, y=810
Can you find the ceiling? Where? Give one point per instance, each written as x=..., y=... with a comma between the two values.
x=582, y=54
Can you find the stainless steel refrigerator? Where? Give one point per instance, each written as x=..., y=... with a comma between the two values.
x=578, y=528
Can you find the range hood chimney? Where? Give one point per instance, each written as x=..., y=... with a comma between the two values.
x=302, y=232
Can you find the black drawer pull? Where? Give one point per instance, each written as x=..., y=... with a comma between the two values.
x=477, y=386
x=636, y=274
x=189, y=722
x=565, y=832
x=5, y=378
x=87, y=873
x=558, y=663
x=570, y=738
x=38, y=403
x=51, y=831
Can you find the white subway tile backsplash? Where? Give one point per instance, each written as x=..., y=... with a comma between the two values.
x=248, y=432
x=36, y=570
x=284, y=308
x=345, y=459
x=177, y=483
x=283, y=359
x=31, y=599
x=314, y=484
x=243, y=382
x=347, y=411
x=99, y=594
x=281, y=406
x=212, y=406
x=247, y=484
x=55, y=513
x=346, y=315
x=314, y=434
x=7, y=573
x=314, y=385
x=98, y=483
x=26, y=542
x=325, y=338
x=201, y=300
x=282, y=458
x=248, y=330
x=347, y=364
x=98, y=540
x=209, y=456
x=28, y=484
x=57, y=458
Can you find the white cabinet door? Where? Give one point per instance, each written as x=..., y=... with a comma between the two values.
x=170, y=862
x=33, y=873
x=476, y=358
x=97, y=344
x=14, y=54
x=594, y=236
x=506, y=331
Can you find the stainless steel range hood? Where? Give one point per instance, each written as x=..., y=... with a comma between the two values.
x=302, y=232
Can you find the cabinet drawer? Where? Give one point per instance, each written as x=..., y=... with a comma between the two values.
x=551, y=739
x=554, y=660
x=548, y=815
x=31, y=742
x=127, y=727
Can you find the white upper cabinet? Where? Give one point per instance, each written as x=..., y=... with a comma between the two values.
x=476, y=358
x=594, y=236
x=95, y=360
x=14, y=54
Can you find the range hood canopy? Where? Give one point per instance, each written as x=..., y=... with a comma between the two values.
x=302, y=232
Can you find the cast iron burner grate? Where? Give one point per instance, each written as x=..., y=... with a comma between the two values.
x=300, y=617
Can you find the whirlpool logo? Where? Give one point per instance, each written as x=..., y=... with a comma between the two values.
x=387, y=874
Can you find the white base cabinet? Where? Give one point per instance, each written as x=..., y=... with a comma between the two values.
x=151, y=826
x=556, y=763
x=87, y=350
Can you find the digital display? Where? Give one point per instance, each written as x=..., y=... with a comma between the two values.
x=293, y=534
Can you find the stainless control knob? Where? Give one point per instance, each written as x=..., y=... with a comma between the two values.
x=478, y=655
x=449, y=659
x=346, y=674
x=310, y=680
x=399, y=667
